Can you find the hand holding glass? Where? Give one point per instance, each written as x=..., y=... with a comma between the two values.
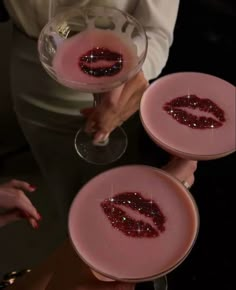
x=94, y=49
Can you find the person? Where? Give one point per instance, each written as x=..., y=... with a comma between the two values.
x=49, y=114
x=15, y=205
x=63, y=269
x=183, y=170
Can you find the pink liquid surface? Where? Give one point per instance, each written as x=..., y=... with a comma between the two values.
x=119, y=255
x=69, y=52
x=185, y=140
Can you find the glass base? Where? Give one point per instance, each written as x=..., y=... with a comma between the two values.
x=103, y=153
x=161, y=283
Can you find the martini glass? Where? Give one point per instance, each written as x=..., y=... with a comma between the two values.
x=94, y=49
x=133, y=231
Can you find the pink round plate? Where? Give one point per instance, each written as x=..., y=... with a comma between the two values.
x=191, y=115
x=133, y=223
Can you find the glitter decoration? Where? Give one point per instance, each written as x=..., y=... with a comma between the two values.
x=98, y=54
x=173, y=108
x=129, y=226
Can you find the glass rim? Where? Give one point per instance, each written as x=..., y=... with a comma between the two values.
x=178, y=262
x=191, y=156
x=73, y=11
x=163, y=144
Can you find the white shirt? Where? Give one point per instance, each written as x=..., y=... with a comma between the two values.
x=157, y=16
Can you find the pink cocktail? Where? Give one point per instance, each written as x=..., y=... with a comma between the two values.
x=191, y=115
x=133, y=223
x=93, y=58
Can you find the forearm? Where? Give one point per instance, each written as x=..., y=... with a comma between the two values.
x=159, y=18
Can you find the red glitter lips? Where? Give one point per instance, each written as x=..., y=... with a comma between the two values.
x=98, y=54
x=129, y=226
x=173, y=108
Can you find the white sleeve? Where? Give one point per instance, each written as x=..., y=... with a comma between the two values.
x=158, y=18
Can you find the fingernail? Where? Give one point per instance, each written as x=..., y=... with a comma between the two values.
x=39, y=216
x=24, y=214
x=90, y=127
x=101, y=137
x=34, y=224
x=33, y=187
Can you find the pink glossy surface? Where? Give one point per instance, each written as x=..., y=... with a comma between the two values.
x=111, y=252
x=178, y=138
x=67, y=57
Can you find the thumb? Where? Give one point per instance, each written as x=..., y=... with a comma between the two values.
x=86, y=112
x=9, y=217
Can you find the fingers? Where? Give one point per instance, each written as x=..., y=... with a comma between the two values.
x=17, y=204
x=15, y=215
x=8, y=217
x=191, y=167
x=106, y=117
x=22, y=202
x=34, y=223
x=182, y=169
x=189, y=181
x=92, y=125
x=101, y=138
x=19, y=184
x=115, y=107
x=86, y=112
x=136, y=84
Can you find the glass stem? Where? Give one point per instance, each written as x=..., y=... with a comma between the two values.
x=96, y=100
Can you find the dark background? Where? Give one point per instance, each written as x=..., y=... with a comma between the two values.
x=205, y=41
